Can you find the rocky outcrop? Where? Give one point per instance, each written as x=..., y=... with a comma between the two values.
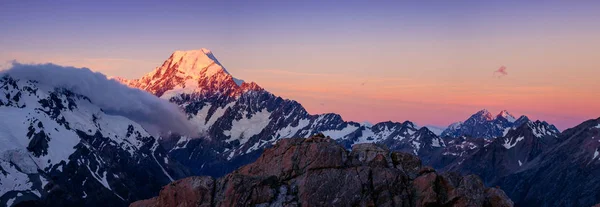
x=319, y=172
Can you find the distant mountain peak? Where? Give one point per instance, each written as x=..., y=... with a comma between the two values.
x=506, y=115
x=485, y=114
x=484, y=124
x=196, y=62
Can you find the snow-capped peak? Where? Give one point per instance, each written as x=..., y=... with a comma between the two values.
x=196, y=63
x=484, y=113
x=190, y=72
x=509, y=117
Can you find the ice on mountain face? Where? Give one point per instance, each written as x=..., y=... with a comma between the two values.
x=10, y=201
x=245, y=128
x=289, y=131
x=199, y=119
x=506, y=131
x=416, y=146
x=189, y=86
x=156, y=145
x=410, y=131
x=15, y=124
x=367, y=136
x=539, y=132
x=196, y=62
x=171, y=79
x=509, y=145
x=509, y=117
x=435, y=143
x=338, y=134
x=102, y=179
x=13, y=179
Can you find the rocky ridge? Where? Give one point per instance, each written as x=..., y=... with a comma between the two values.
x=318, y=171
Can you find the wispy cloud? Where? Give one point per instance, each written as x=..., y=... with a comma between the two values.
x=501, y=72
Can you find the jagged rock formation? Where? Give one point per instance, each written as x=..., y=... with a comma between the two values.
x=457, y=150
x=508, y=154
x=565, y=174
x=320, y=172
x=484, y=125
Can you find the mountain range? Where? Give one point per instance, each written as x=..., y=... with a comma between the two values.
x=60, y=147
x=238, y=119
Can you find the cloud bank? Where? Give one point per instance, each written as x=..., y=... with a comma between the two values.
x=156, y=115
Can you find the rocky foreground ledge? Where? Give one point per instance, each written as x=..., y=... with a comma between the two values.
x=319, y=172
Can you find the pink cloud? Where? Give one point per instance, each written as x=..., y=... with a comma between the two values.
x=501, y=71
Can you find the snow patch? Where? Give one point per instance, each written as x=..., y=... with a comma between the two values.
x=416, y=146
x=509, y=145
x=367, y=134
x=338, y=134
x=289, y=131
x=10, y=201
x=200, y=118
x=435, y=143
x=506, y=130
x=189, y=86
x=245, y=128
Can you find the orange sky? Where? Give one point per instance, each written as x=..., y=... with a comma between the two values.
x=432, y=63
x=554, y=79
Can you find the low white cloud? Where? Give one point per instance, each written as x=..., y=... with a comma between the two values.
x=158, y=116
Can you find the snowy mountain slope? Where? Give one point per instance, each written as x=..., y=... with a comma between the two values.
x=59, y=148
x=457, y=150
x=564, y=174
x=242, y=119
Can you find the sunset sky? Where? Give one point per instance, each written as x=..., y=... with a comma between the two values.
x=431, y=62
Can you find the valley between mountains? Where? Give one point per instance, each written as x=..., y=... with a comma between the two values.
x=63, y=146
